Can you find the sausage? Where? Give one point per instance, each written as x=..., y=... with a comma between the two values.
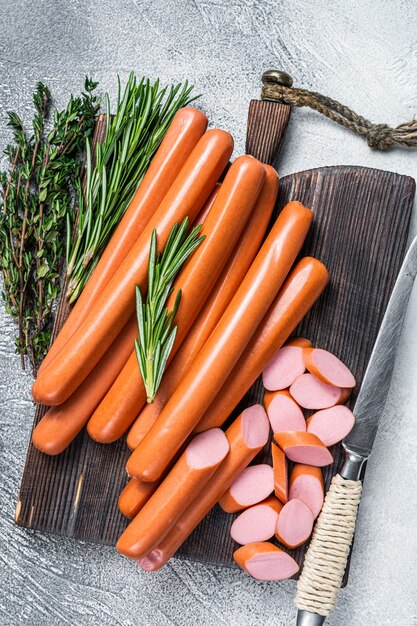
x=224, y=346
x=220, y=297
x=258, y=523
x=302, y=288
x=304, y=448
x=187, y=127
x=306, y=484
x=184, y=482
x=265, y=561
x=284, y=367
x=201, y=217
x=299, y=341
x=280, y=467
x=247, y=435
x=283, y=412
x=331, y=425
x=328, y=368
x=226, y=220
x=253, y=485
x=134, y=496
x=295, y=523
x=116, y=303
x=61, y=424
x=311, y=393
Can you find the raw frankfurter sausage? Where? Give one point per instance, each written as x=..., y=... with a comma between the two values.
x=280, y=467
x=61, y=424
x=295, y=523
x=331, y=425
x=225, y=222
x=306, y=484
x=116, y=303
x=300, y=291
x=311, y=393
x=253, y=485
x=134, y=496
x=304, y=448
x=184, y=482
x=258, y=523
x=187, y=127
x=265, y=561
x=284, y=367
x=328, y=368
x=202, y=216
x=299, y=341
x=214, y=307
x=283, y=411
x=247, y=435
x=225, y=345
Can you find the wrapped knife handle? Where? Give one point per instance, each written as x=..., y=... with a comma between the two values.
x=327, y=555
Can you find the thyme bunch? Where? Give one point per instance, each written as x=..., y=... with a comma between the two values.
x=36, y=205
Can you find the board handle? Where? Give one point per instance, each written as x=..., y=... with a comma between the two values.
x=328, y=552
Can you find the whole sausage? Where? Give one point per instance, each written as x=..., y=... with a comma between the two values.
x=265, y=561
x=306, y=484
x=283, y=411
x=187, y=127
x=304, y=448
x=300, y=291
x=295, y=523
x=280, y=467
x=226, y=220
x=224, y=346
x=247, y=435
x=312, y=393
x=116, y=303
x=258, y=523
x=61, y=424
x=253, y=485
x=213, y=309
x=201, y=217
x=184, y=482
x=328, y=368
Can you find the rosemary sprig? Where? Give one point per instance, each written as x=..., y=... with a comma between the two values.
x=156, y=324
x=36, y=203
x=133, y=134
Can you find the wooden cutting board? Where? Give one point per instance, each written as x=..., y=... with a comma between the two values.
x=360, y=232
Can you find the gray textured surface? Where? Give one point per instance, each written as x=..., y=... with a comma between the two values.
x=362, y=52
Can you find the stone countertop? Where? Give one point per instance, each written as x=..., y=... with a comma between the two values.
x=363, y=53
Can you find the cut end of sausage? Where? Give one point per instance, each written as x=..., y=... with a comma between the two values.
x=255, y=426
x=302, y=447
x=295, y=523
x=258, y=523
x=265, y=561
x=207, y=449
x=253, y=485
x=328, y=368
x=283, y=412
x=312, y=393
x=284, y=367
x=331, y=425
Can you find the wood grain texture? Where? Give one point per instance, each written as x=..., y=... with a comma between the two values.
x=360, y=231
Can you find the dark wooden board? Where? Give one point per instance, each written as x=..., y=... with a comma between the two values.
x=360, y=232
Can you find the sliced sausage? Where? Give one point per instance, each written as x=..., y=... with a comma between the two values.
x=184, y=482
x=301, y=289
x=187, y=127
x=225, y=345
x=283, y=411
x=214, y=307
x=258, y=523
x=328, y=368
x=304, y=448
x=265, y=561
x=306, y=484
x=134, y=496
x=253, y=485
x=284, y=367
x=331, y=425
x=295, y=523
x=222, y=228
x=311, y=393
x=280, y=467
x=116, y=303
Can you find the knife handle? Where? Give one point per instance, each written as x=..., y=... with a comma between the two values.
x=327, y=555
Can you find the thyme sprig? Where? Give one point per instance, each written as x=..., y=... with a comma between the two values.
x=133, y=134
x=155, y=323
x=36, y=205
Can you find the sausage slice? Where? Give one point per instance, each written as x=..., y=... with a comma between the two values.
x=295, y=523
x=264, y=561
x=312, y=393
x=283, y=411
x=331, y=425
x=258, y=523
x=306, y=484
x=304, y=448
x=328, y=368
x=253, y=485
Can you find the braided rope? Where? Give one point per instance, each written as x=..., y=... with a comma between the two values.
x=326, y=558
x=378, y=136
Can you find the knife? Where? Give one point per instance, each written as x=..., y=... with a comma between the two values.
x=328, y=552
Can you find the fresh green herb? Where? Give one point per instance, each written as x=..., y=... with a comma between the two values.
x=143, y=114
x=156, y=330
x=37, y=203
